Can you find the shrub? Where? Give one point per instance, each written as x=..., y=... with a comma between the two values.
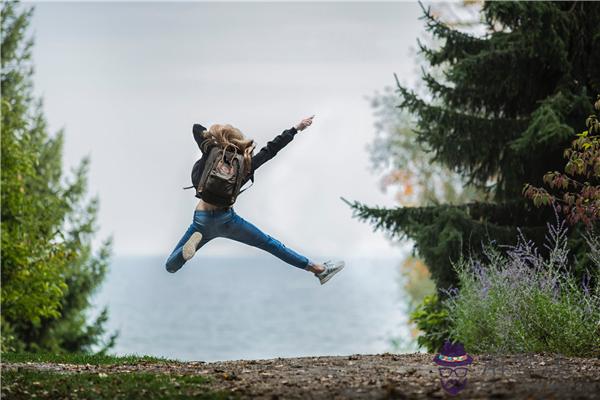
x=431, y=318
x=520, y=300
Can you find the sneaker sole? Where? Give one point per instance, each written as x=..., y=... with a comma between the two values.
x=328, y=277
x=189, y=248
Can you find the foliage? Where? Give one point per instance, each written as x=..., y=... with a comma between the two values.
x=580, y=184
x=517, y=300
x=506, y=106
x=48, y=268
x=431, y=317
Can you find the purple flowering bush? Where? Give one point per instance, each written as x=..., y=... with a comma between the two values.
x=517, y=300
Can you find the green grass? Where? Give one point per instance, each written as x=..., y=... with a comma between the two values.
x=78, y=358
x=26, y=384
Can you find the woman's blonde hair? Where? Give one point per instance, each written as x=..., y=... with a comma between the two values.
x=227, y=135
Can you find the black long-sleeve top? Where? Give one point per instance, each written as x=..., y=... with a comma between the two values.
x=265, y=154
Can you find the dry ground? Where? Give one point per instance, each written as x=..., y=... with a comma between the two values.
x=405, y=376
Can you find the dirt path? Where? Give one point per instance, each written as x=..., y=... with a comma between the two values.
x=410, y=376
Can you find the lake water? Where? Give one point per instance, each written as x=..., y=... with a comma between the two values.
x=251, y=308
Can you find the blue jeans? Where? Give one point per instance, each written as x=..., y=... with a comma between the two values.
x=227, y=224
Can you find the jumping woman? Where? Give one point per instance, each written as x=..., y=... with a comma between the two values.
x=214, y=215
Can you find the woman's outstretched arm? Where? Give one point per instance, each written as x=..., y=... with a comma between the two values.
x=272, y=147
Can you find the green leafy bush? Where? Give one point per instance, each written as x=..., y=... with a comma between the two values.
x=431, y=318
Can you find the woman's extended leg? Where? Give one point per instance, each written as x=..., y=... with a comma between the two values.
x=177, y=259
x=243, y=231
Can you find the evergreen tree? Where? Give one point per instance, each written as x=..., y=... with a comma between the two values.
x=508, y=104
x=48, y=268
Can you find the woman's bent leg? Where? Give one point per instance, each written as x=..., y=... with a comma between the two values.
x=243, y=231
x=176, y=259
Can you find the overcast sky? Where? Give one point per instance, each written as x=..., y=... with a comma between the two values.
x=128, y=80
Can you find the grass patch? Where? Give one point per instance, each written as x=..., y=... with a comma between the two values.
x=80, y=358
x=26, y=384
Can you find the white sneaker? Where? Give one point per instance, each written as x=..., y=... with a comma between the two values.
x=331, y=268
x=189, y=248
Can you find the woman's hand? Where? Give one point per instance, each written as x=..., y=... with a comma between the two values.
x=304, y=123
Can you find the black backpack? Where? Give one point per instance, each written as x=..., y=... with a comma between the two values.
x=221, y=180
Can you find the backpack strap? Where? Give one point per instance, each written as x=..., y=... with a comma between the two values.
x=243, y=190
